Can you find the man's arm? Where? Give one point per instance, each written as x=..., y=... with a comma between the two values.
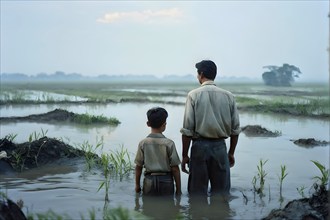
x=185, y=149
x=177, y=178
x=138, y=172
x=233, y=143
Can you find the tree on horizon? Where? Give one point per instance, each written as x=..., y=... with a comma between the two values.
x=280, y=75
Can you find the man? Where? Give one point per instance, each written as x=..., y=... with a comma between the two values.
x=210, y=117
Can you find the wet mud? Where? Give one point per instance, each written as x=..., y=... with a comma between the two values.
x=258, y=131
x=57, y=115
x=29, y=155
x=310, y=142
x=313, y=208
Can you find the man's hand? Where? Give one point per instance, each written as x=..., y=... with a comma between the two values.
x=231, y=160
x=137, y=189
x=185, y=160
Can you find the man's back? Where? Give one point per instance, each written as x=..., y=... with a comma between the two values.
x=211, y=111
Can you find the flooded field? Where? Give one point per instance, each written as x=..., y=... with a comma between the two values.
x=73, y=191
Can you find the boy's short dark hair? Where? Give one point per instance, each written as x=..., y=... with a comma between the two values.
x=157, y=117
x=208, y=68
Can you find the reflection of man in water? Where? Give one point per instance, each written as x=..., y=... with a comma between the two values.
x=210, y=117
x=203, y=207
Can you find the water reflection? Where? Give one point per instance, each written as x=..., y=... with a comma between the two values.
x=213, y=207
x=198, y=207
x=158, y=207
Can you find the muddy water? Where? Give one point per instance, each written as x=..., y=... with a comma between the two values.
x=68, y=189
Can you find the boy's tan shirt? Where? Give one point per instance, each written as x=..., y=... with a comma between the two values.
x=157, y=154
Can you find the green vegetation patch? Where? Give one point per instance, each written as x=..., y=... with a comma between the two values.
x=95, y=119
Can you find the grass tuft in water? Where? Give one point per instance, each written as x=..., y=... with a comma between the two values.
x=281, y=178
x=261, y=177
x=90, y=152
x=92, y=119
x=324, y=177
x=121, y=161
x=105, y=163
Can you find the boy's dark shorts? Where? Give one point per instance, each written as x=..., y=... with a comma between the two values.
x=158, y=185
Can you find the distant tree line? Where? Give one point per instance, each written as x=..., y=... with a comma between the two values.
x=280, y=75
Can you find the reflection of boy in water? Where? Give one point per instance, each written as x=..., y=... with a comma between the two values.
x=158, y=155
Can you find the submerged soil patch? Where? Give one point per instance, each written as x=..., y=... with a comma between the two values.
x=36, y=153
x=60, y=115
x=314, y=208
x=310, y=142
x=258, y=131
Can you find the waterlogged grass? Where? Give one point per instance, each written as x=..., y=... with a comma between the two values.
x=301, y=99
x=95, y=119
x=310, y=107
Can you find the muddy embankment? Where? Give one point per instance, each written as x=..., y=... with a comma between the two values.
x=58, y=115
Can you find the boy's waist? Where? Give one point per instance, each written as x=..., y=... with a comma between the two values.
x=158, y=173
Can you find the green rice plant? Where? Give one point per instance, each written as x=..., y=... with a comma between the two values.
x=121, y=162
x=91, y=213
x=301, y=190
x=254, y=183
x=19, y=161
x=90, y=152
x=11, y=137
x=261, y=177
x=36, y=136
x=37, y=155
x=324, y=177
x=122, y=214
x=49, y=215
x=105, y=163
x=282, y=177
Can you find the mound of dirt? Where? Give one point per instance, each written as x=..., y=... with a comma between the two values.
x=310, y=142
x=258, y=131
x=314, y=208
x=36, y=153
x=58, y=115
x=9, y=210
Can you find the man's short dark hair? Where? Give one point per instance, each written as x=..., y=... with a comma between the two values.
x=208, y=68
x=157, y=117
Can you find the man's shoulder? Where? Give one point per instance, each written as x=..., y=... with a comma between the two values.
x=209, y=88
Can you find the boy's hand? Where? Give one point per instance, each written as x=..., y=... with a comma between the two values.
x=185, y=160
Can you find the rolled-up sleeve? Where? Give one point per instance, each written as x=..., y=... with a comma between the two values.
x=188, y=119
x=235, y=124
x=139, y=156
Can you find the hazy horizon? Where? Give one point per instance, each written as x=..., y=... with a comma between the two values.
x=164, y=38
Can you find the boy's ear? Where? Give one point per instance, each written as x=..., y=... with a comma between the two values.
x=148, y=124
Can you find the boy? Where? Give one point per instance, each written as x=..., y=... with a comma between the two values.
x=158, y=155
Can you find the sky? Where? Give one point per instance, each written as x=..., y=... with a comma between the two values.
x=164, y=37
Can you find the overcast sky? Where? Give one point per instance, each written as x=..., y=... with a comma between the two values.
x=164, y=37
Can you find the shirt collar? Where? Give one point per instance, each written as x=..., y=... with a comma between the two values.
x=156, y=135
x=208, y=82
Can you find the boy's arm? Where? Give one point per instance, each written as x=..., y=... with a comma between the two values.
x=177, y=178
x=138, y=172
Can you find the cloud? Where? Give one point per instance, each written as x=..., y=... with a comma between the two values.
x=147, y=16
